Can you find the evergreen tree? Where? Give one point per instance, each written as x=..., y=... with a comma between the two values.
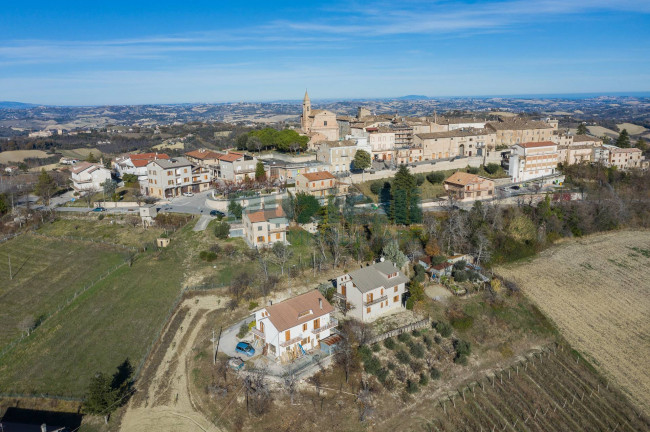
x=623, y=140
x=235, y=209
x=362, y=160
x=582, y=129
x=393, y=253
x=641, y=145
x=405, y=204
x=101, y=398
x=45, y=186
x=260, y=174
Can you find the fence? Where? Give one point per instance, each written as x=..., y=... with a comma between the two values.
x=407, y=328
x=40, y=396
x=43, y=318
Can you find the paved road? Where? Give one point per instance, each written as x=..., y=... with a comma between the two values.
x=203, y=222
x=229, y=340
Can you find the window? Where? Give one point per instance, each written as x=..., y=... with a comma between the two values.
x=260, y=239
x=382, y=291
x=325, y=123
x=185, y=170
x=395, y=288
x=259, y=227
x=277, y=236
x=287, y=335
x=367, y=310
x=395, y=299
x=304, y=327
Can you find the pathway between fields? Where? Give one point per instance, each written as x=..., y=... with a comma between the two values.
x=168, y=405
x=202, y=224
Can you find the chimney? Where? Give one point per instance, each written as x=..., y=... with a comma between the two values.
x=320, y=303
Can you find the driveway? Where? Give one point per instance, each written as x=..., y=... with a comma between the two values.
x=229, y=340
x=202, y=223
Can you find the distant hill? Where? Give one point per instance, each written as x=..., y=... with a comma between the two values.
x=9, y=104
x=414, y=97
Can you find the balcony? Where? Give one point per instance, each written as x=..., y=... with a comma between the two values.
x=333, y=323
x=375, y=301
x=291, y=341
x=257, y=332
x=278, y=230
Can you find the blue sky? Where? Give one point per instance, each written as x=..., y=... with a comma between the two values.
x=138, y=52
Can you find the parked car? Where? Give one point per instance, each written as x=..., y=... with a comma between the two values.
x=515, y=187
x=235, y=363
x=188, y=194
x=245, y=348
x=217, y=213
x=98, y=209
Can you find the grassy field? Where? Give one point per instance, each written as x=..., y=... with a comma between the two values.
x=106, y=230
x=45, y=273
x=114, y=320
x=20, y=155
x=596, y=290
x=81, y=153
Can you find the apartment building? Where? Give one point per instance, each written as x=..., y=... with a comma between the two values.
x=533, y=160
x=372, y=291
x=574, y=154
x=168, y=178
x=381, y=141
x=463, y=186
x=264, y=227
x=136, y=164
x=320, y=184
x=337, y=156
x=289, y=329
x=236, y=167
x=510, y=132
x=621, y=158
x=458, y=142
x=203, y=157
x=287, y=171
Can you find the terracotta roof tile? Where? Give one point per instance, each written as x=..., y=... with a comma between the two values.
x=320, y=175
x=537, y=144
x=264, y=215
x=298, y=310
x=203, y=154
x=463, y=178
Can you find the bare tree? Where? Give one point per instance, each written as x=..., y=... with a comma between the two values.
x=291, y=382
x=482, y=248
x=27, y=324
x=334, y=241
x=88, y=197
x=263, y=262
x=258, y=394
x=364, y=399
x=282, y=255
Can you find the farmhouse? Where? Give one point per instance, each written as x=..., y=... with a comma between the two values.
x=264, y=227
x=320, y=184
x=289, y=329
x=372, y=291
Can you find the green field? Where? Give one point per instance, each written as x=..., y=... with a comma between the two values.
x=45, y=273
x=116, y=319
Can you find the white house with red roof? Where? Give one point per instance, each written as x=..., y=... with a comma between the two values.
x=291, y=328
x=88, y=176
x=236, y=167
x=320, y=184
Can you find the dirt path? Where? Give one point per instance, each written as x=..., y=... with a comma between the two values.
x=168, y=405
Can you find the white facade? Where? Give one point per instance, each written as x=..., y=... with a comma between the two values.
x=291, y=328
x=533, y=160
x=89, y=176
x=372, y=291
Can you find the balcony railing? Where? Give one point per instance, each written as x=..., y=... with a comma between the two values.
x=331, y=324
x=257, y=332
x=291, y=341
x=375, y=301
x=277, y=230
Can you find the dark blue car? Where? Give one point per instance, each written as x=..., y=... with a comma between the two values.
x=245, y=348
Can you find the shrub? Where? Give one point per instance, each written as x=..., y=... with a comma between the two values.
x=376, y=347
x=419, y=179
x=222, y=230
x=389, y=383
x=472, y=170
x=463, y=349
x=390, y=343
x=472, y=275
x=100, y=217
x=427, y=341
x=460, y=265
x=435, y=373
x=376, y=187
x=492, y=168
x=462, y=323
x=391, y=365
x=443, y=328
x=411, y=387
x=243, y=330
x=404, y=337
x=459, y=275
x=252, y=305
x=437, y=339
x=415, y=333
x=424, y=379
x=365, y=353
x=461, y=360
x=417, y=350
x=403, y=357
x=372, y=365
x=208, y=256
x=416, y=366
x=435, y=177
x=410, y=303
x=382, y=374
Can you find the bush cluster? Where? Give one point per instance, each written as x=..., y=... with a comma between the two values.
x=443, y=328
x=390, y=343
x=463, y=350
x=403, y=357
x=208, y=256
x=404, y=337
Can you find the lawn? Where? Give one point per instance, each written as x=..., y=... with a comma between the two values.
x=113, y=229
x=45, y=273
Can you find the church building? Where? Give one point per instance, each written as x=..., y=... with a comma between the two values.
x=319, y=125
